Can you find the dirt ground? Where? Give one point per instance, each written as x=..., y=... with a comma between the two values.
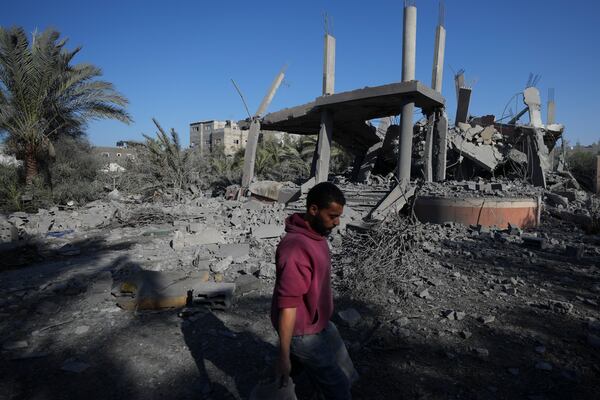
x=498, y=321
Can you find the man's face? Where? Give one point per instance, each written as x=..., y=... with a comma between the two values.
x=323, y=220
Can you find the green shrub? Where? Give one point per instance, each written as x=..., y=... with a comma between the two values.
x=74, y=173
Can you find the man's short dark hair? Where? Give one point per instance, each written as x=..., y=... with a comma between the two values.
x=323, y=194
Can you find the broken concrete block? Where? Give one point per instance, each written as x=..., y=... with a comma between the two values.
x=17, y=345
x=487, y=133
x=575, y=252
x=534, y=242
x=267, y=231
x=236, y=251
x=349, y=317
x=487, y=157
x=222, y=265
x=393, y=202
x=81, y=330
x=195, y=227
x=424, y=294
x=463, y=126
x=557, y=200
x=282, y=192
x=246, y=284
x=267, y=270
x=74, y=365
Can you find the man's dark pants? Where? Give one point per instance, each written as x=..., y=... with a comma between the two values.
x=324, y=358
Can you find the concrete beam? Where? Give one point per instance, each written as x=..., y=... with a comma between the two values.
x=329, y=65
x=462, y=107
x=250, y=153
x=440, y=146
x=323, y=150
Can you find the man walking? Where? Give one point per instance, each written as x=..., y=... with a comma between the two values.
x=302, y=302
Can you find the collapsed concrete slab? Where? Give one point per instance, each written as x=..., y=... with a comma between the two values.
x=486, y=157
x=394, y=202
x=267, y=231
x=281, y=192
x=152, y=290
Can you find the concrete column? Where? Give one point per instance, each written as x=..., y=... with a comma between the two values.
x=428, y=156
x=531, y=97
x=409, y=52
x=551, y=117
x=438, y=59
x=329, y=65
x=409, y=43
x=440, y=146
x=597, y=177
x=406, y=137
x=462, y=107
x=323, y=151
x=250, y=153
x=322, y=156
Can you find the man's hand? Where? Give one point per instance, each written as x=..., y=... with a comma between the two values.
x=282, y=370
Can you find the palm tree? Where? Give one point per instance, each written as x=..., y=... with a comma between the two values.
x=42, y=95
x=170, y=164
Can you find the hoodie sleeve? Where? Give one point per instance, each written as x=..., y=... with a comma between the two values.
x=294, y=276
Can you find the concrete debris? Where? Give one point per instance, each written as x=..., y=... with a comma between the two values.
x=75, y=366
x=21, y=344
x=149, y=290
x=267, y=231
x=349, y=316
x=222, y=265
x=247, y=283
x=281, y=192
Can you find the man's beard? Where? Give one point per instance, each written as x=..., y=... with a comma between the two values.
x=319, y=227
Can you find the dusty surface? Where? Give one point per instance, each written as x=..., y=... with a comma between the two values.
x=63, y=337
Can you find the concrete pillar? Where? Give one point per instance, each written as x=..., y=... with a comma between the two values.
x=329, y=65
x=428, y=156
x=409, y=52
x=551, y=117
x=437, y=73
x=250, y=153
x=271, y=93
x=252, y=144
x=323, y=150
x=409, y=43
x=406, y=137
x=440, y=146
x=322, y=156
x=597, y=177
x=531, y=97
x=462, y=107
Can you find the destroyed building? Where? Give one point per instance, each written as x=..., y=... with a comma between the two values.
x=465, y=264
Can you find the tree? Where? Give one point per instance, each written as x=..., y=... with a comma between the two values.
x=170, y=163
x=42, y=95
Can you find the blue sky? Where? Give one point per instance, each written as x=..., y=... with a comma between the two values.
x=174, y=60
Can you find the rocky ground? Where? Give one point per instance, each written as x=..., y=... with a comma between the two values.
x=476, y=314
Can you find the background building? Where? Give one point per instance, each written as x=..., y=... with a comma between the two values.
x=208, y=136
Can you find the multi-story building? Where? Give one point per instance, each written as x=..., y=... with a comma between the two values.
x=208, y=136
x=115, y=158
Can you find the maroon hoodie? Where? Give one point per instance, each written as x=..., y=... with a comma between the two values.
x=303, y=277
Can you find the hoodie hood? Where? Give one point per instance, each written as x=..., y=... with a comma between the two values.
x=295, y=223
